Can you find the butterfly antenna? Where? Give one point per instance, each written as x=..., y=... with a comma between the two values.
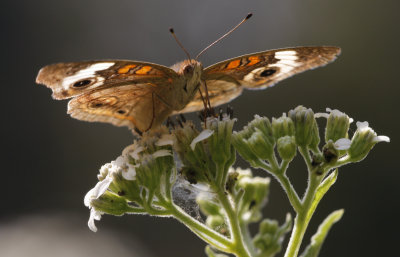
x=179, y=43
x=226, y=34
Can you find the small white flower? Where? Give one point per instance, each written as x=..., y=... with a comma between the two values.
x=161, y=153
x=97, y=191
x=202, y=136
x=363, y=127
x=342, y=144
x=130, y=173
x=334, y=112
x=135, y=153
x=94, y=215
x=166, y=139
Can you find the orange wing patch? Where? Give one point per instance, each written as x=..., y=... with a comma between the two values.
x=126, y=68
x=144, y=70
x=233, y=64
x=253, y=60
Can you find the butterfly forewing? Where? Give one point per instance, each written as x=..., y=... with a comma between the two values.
x=226, y=80
x=264, y=69
x=75, y=78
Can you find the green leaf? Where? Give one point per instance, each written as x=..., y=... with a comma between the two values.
x=211, y=253
x=317, y=240
x=321, y=191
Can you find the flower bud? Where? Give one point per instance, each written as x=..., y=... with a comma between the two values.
x=207, y=206
x=239, y=141
x=264, y=125
x=337, y=125
x=255, y=142
x=270, y=236
x=215, y=221
x=220, y=142
x=111, y=204
x=282, y=126
x=330, y=153
x=362, y=142
x=305, y=126
x=261, y=147
x=286, y=147
x=256, y=191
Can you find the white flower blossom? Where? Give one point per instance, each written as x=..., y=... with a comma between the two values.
x=202, y=136
x=342, y=144
x=166, y=139
x=161, y=153
x=329, y=111
x=363, y=127
x=94, y=215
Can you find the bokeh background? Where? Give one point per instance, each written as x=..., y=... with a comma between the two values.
x=49, y=160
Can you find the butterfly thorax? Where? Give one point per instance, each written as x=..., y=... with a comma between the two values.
x=190, y=72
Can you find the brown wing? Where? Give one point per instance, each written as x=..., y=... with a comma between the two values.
x=133, y=105
x=124, y=93
x=225, y=80
x=219, y=92
x=72, y=79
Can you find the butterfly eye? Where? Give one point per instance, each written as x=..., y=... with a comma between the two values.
x=267, y=72
x=122, y=112
x=188, y=69
x=82, y=83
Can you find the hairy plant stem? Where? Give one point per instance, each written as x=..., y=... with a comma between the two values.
x=240, y=249
x=306, y=211
x=201, y=230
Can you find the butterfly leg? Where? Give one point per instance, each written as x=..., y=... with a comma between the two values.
x=207, y=96
x=153, y=112
x=205, y=108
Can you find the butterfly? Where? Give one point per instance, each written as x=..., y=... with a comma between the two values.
x=142, y=95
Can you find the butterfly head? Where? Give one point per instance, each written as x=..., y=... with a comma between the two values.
x=190, y=68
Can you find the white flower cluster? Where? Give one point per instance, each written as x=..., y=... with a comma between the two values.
x=362, y=127
x=122, y=165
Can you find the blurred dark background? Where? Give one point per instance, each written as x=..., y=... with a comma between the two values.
x=50, y=160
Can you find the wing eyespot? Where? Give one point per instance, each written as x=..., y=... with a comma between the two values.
x=267, y=72
x=82, y=83
x=95, y=104
x=122, y=112
x=102, y=101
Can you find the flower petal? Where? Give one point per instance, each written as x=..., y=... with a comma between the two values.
x=135, y=153
x=161, y=153
x=342, y=144
x=166, y=139
x=94, y=215
x=382, y=139
x=321, y=115
x=202, y=136
x=97, y=191
x=130, y=174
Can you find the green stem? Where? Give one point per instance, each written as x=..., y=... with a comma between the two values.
x=244, y=227
x=205, y=233
x=290, y=191
x=238, y=246
x=306, y=211
x=280, y=175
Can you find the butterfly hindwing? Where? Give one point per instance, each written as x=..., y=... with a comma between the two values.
x=133, y=105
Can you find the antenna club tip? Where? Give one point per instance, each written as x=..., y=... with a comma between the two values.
x=171, y=30
x=249, y=16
